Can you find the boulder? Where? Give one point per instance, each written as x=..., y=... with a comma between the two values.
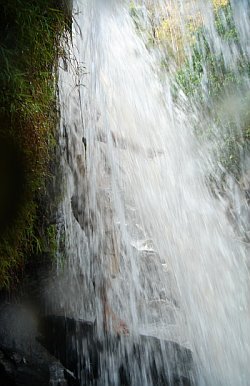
x=23, y=360
x=70, y=353
x=120, y=360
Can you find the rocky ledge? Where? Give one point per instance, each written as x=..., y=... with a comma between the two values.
x=60, y=351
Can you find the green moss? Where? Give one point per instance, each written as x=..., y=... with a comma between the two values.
x=31, y=36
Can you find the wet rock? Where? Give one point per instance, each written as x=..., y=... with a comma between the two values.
x=73, y=343
x=57, y=375
x=23, y=360
x=12, y=178
x=121, y=361
x=23, y=373
x=156, y=310
x=7, y=369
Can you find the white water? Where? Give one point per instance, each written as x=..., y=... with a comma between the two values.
x=150, y=229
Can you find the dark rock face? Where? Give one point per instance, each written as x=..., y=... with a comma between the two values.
x=15, y=369
x=24, y=361
x=12, y=182
x=77, y=357
x=73, y=343
x=128, y=360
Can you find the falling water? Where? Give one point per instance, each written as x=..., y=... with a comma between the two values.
x=146, y=241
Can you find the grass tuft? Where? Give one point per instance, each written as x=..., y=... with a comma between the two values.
x=31, y=33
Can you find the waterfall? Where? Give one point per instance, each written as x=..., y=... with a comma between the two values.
x=150, y=249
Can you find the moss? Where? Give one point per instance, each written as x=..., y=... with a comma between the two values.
x=30, y=44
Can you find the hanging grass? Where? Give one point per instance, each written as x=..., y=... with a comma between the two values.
x=31, y=42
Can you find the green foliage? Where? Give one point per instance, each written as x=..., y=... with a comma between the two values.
x=51, y=237
x=206, y=65
x=189, y=76
x=31, y=37
x=224, y=23
x=206, y=71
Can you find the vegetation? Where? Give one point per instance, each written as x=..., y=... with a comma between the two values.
x=30, y=44
x=218, y=87
x=225, y=86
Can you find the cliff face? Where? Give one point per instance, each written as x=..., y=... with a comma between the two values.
x=23, y=360
x=31, y=43
x=30, y=46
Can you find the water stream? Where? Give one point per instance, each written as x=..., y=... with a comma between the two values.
x=146, y=241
